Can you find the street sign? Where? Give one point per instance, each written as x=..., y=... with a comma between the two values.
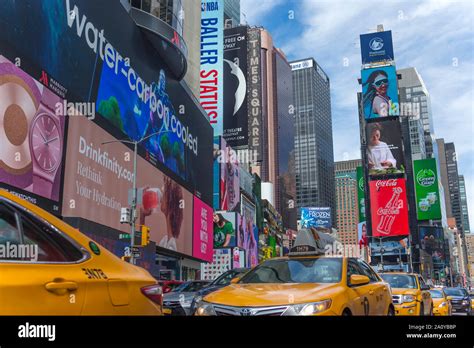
x=124, y=236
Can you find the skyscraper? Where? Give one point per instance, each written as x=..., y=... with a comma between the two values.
x=414, y=97
x=464, y=209
x=347, y=213
x=231, y=12
x=314, y=155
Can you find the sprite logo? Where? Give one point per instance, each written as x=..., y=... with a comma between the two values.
x=425, y=177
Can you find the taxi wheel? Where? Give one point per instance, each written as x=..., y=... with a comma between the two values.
x=346, y=313
x=391, y=311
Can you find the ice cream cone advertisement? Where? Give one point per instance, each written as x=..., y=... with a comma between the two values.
x=388, y=206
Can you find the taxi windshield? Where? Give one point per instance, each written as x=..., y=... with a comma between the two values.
x=401, y=281
x=436, y=294
x=314, y=270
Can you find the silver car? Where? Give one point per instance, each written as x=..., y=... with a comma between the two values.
x=178, y=301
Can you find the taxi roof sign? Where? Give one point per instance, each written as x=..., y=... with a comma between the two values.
x=309, y=241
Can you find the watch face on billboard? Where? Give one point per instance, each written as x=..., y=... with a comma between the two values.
x=376, y=47
x=32, y=136
x=384, y=148
x=388, y=207
x=380, y=92
x=426, y=188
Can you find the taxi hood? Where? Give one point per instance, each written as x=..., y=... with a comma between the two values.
x=274, y=294
x=402, y=291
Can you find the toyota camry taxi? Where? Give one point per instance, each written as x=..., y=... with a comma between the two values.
x=411, y=295
x=304, y=283
x=49, y=268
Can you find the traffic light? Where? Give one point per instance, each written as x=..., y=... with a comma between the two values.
x=145, y=235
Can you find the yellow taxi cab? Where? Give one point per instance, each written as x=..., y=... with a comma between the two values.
x=441, y=302
x=306, y=282
x=411, y=295
x=49, y=268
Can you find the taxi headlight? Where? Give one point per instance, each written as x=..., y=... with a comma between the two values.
x=308, y=308
x=204, y=309
x=408, y=298
x=465, y=302
x=443, y=304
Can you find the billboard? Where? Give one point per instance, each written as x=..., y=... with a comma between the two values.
x=225, y=229
x=388, y=208
x=316, y=217
x=100, y=176
x=432, y=242
x=203, y=235
x=255, y=93
x=384, y=148
x=32, y=120
x=229, y=177
x=361, y=193
x=235, y=86
x=248, y=232
x=362, y=239
x=376, y=47
x=390, y=248
x=212, y=62
x=221, y=262
x=426, y=189
x=380, y=92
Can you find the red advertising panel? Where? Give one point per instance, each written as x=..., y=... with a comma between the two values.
x=388, y=207
x=203, y=232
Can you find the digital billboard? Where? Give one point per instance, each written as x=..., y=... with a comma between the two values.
x=380, y=92
x=32, y=121
x=432, y=242
x=390, y=248
x=225, y=229
x=229, y=177
x=100, y=176
x=212, y=62
x=376, y=47
x=384, y=148
x=203, y=233
x=361, y=193
x=388, y=208
x=316, y=217
x=426, y=189
x=247, y=237
x=235, y=86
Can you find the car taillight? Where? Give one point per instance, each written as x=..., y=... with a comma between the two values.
x=154, y=293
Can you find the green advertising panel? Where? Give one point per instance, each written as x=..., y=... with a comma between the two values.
x=426, y=187
x=360, y=193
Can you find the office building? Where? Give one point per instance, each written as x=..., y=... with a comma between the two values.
x=415, y=100
x=347, y=211
x=470, y=254
x=464, y=209
x=314, y=155
x=231, y=13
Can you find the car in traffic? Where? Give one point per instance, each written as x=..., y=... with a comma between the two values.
x=460, y=300
x=169, y=285
x=223, y=280
x=306, y=282
x=57, y=270
x=411, y=295
x=441, y=302
x=178, y=302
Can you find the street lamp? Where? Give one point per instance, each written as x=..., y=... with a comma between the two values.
x=133, y=217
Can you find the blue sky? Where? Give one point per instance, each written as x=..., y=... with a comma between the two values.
x=436, y=37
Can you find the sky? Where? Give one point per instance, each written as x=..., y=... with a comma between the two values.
x=435, y=37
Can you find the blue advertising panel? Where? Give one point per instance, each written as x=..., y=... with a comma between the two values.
x=212, y=62
x=380, y=92
x=376, y=47
x=316, y=217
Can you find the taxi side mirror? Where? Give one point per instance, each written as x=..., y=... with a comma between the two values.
x=425, y=287
x=357, y=279
x=235, y=280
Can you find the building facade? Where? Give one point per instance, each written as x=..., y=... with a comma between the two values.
x=231, y=13
x=464, y=208
x=314, y=156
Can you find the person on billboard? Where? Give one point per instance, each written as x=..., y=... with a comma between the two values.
x=375, y=98
x=379, y=154
x=173, y=211
x=223, y=231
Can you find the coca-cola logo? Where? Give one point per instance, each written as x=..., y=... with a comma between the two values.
x=386, y=183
